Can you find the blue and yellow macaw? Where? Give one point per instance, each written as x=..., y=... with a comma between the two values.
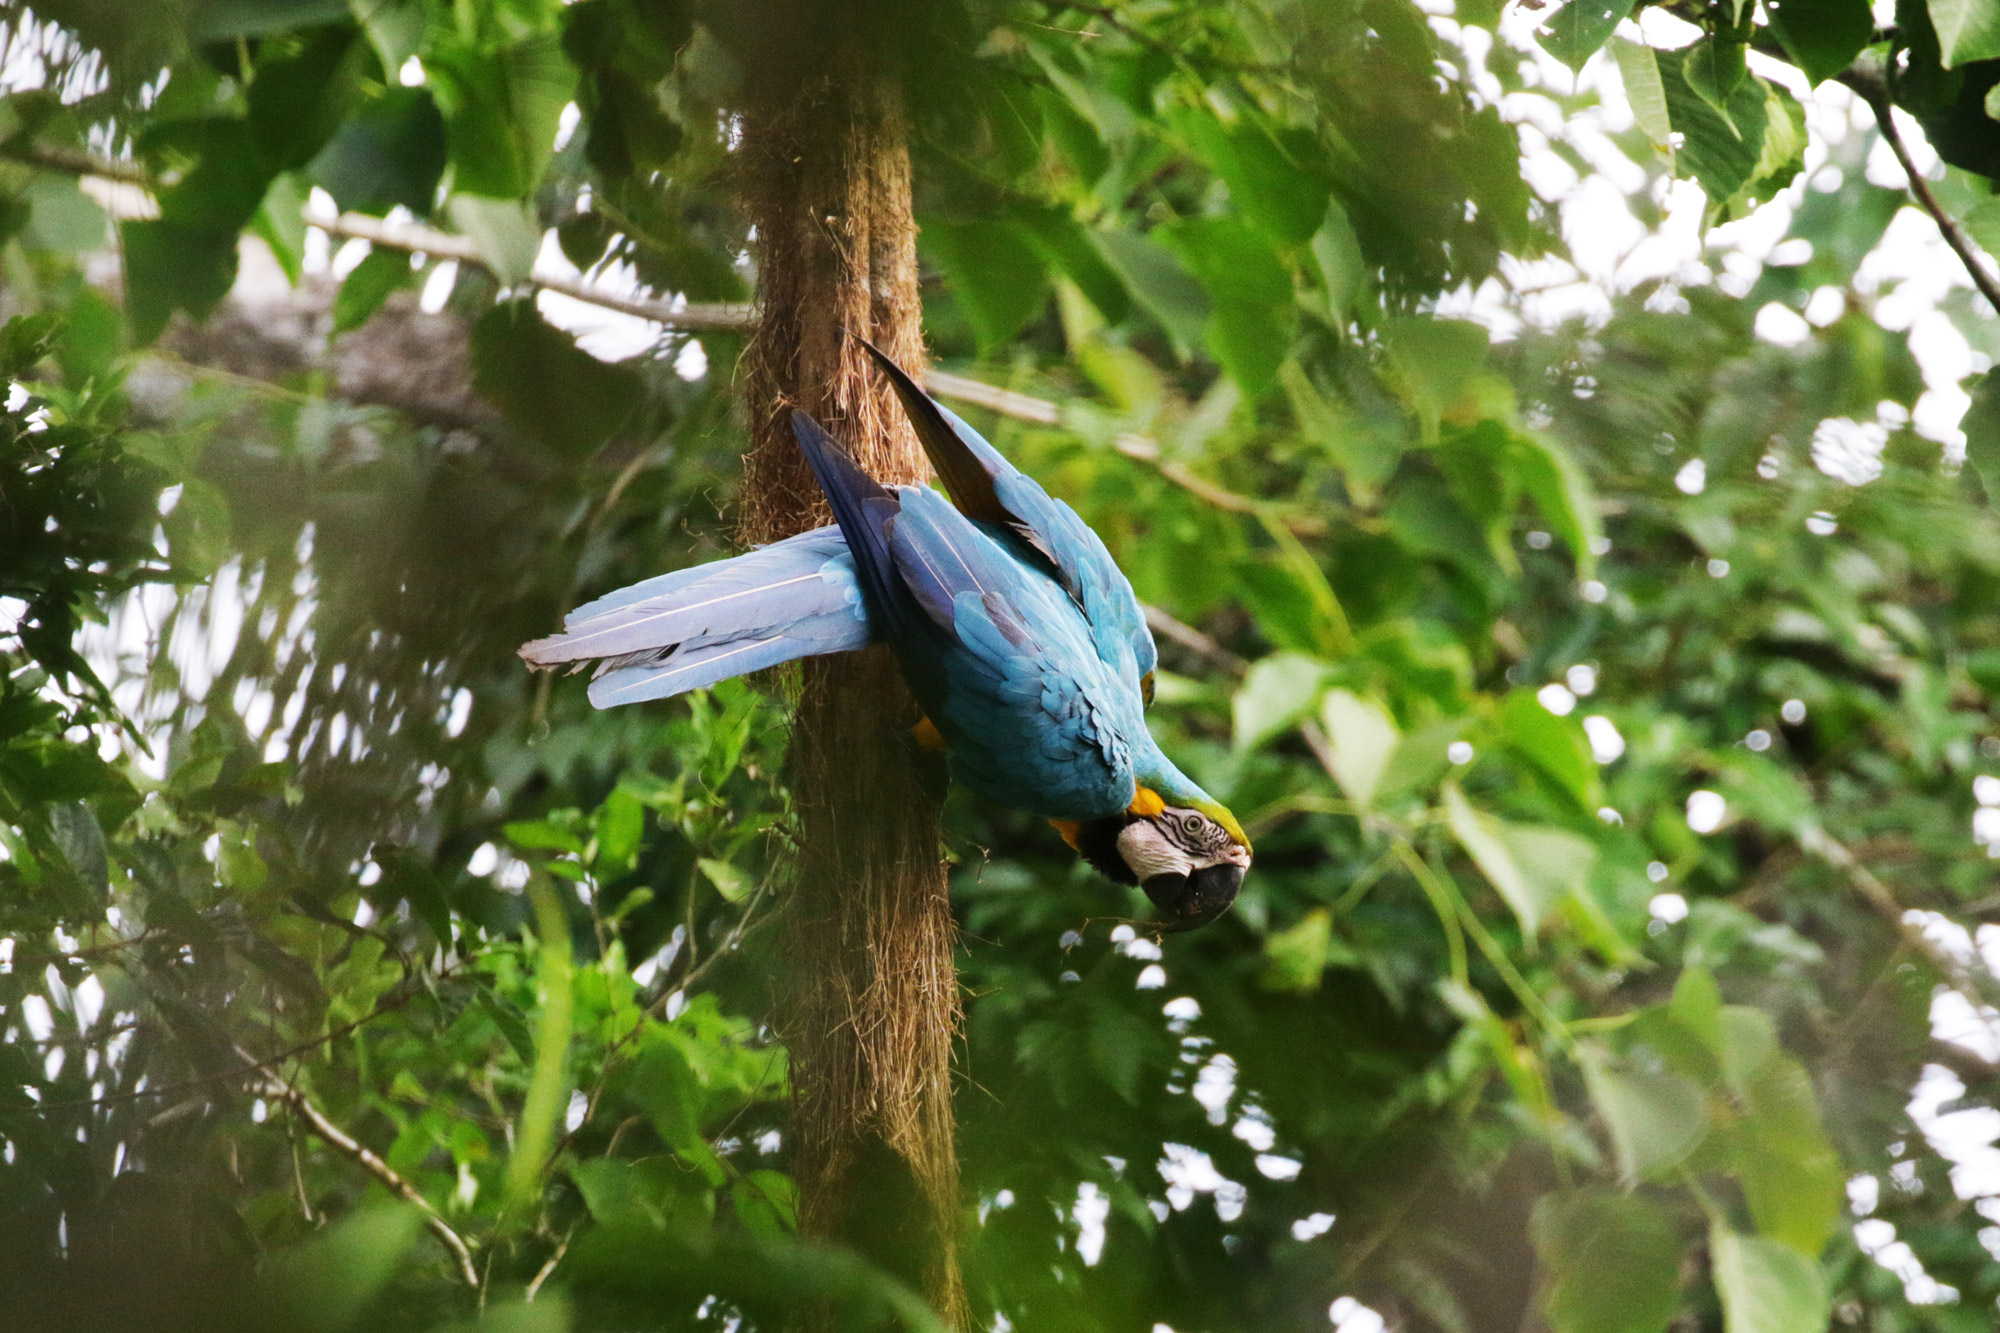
x=1015, y=630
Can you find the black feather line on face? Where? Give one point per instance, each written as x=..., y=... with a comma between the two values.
x=1097, y=842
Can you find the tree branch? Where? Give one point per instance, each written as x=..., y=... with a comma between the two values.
x=729, y=317
x=1874, y=91
x=348, y=1146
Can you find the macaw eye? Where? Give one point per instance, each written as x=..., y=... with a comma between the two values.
x=1146, y=688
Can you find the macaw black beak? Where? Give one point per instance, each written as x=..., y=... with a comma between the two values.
x=1195, y=899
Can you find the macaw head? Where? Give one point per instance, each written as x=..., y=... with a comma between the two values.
x=1189, y=857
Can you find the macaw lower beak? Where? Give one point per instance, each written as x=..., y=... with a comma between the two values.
x=1197, y=898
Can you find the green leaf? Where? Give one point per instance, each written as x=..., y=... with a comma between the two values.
x=1721, y=154
x=621, y=823
x=1556, y=745
x=1251, y=308
x=1580, y=27
x=1640, y=71
x=281, y=222
x=1367, y=456
x=994, y=271
x=513, y=1024
x=504, y=233
x=223, y=20
x=1295, y=959
x=62, y=217
x=368, y=286
x=1271, y=178
x=732, y=882
x=1431, y=362
x=1767, y=1287
x=1821, y=36
x=501, y=111
x=1792, y=1178
x=768, y=1204
x=542, y=836
x=1967, y=30
x=324, y=1285
x=537, y=375
x=1342, y=268
x=394, y=27
x=1361, y=736
x=1158, y=282
x=81, y=842
x=1275, y=695
x=1533, y=867
x=170, y=267
x=1714, y=68
x=1655, y=1118
x=1561, y=490
x=1610, y=1262
x=1981, y=425
x=391, y=152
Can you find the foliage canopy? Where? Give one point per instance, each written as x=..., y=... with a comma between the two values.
x=1609, y=700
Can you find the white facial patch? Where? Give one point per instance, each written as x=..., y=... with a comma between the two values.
x=1146, y=850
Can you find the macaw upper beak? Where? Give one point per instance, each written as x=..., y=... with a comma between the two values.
x=1195, y=899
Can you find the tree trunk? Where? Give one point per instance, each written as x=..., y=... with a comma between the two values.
x=875, y=1003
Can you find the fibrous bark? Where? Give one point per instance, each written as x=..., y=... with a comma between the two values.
x=875, y=1005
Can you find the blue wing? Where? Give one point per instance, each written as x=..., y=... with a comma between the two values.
x=988, y=488
x=996, y=651
x=694, y=627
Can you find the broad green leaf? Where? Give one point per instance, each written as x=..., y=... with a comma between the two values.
x=503, y=231
x=732, y=882
x=621, y=823
x=1295, y=958
x=1158, y=283
x=1362, y=736
x=1276, y=694
x=501, y=110
x=1431, y=362
x=1721, y=154
x=995, y=273
x=1272, y=184
x=541, y=835
x=1251, y=307
x=1561, y=490
x=390, y=153
x=1580, y=27
x=1342, y=268
x=381, y=273
x=1714, y=68
x=394, y=27
x=62, y=217
x=1981, y=425
x=324, y=1285
x=767, y=1202
x=82, y=844
x=1533, y=867
x=1766, y=1287
x=537, y=375
x=1791, y=1176
x=1640, y=71
x=1821, y=36
x=1367, y=456
x=281, y=222
x=1655, y=1118
x=1610, y=1262
x=1697, y=1007
x=170, y=267
x=1967, y=30
x=1556, y=745
x=226, y=20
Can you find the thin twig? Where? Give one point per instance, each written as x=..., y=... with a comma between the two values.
x=730, y=317
x=348, y=1146
x=1875, y=92
x=542, y=1273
